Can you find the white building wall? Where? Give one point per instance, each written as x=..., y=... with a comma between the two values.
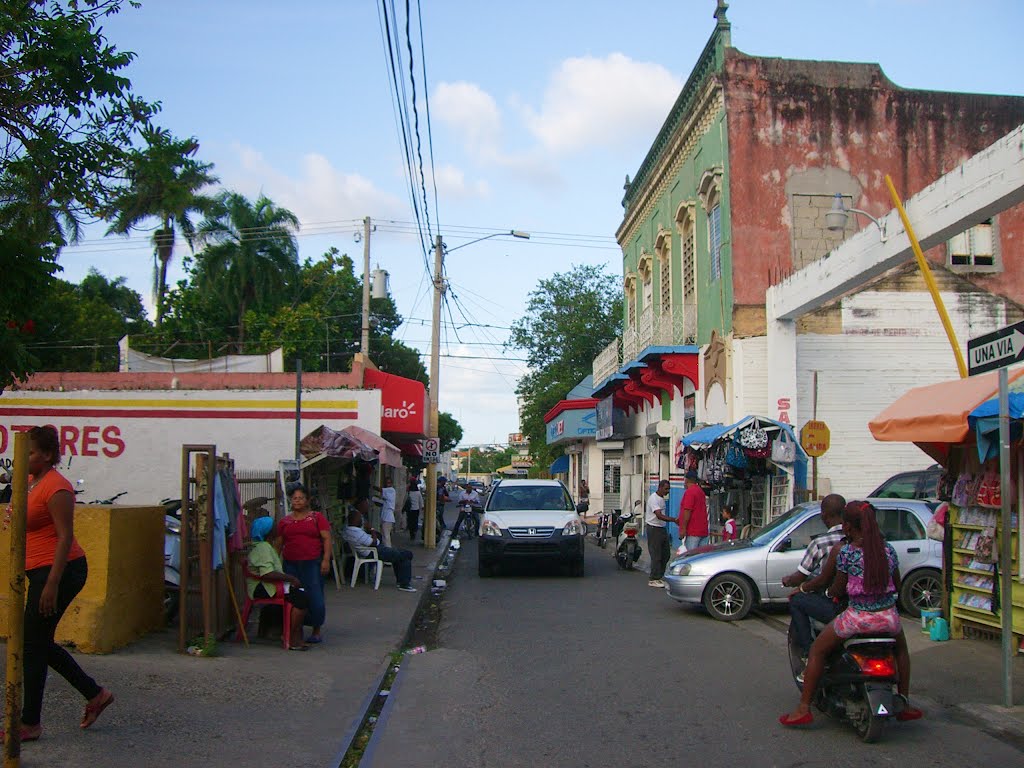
x=750, y=378
x=891, y=342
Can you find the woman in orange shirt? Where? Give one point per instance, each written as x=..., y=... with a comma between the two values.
x=56, y=570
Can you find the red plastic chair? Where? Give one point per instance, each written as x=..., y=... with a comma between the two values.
x=277, y=599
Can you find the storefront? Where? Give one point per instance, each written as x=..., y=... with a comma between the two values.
x=572, y=426
x=954, y=422
x=755, y=464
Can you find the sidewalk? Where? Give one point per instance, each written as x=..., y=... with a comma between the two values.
x=257, y=706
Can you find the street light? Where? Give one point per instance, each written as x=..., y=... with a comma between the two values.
x=511, y=233
x=836, y=218
x=430, y=518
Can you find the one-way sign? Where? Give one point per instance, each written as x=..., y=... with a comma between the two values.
x=996, y=350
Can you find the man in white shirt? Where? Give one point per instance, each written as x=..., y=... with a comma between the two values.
x=359, y=539
x=415, y=502
x=657, y=537
x=387, y=511
x=469, y=497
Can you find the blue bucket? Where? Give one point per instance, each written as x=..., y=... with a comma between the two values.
x=939, y=630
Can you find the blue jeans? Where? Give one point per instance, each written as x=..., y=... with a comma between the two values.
x=692, y=542
x=806, y=605
x=401, y=562
x=308, y=572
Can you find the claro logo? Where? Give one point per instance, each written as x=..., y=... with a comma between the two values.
x=75, y=441
x=406, y=410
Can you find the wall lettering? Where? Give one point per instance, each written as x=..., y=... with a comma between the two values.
x=89, y=440
x=784, y=406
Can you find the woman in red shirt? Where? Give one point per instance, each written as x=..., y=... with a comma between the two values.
x=56, y=570
x=305, y=538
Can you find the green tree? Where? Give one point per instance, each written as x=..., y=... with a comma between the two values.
x=251, y=257
x=449, y=431
x=68, y=119
x=165, y=183
x=570, y=317
x=79, y=325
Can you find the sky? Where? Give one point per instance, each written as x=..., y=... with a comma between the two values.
x=538, y=111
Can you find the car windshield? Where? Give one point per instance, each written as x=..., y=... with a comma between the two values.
x=551, y=497
x=763, y=536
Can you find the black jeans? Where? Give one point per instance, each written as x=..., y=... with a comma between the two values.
x=401, y=562
x=412, y=520
x=657, y=542
x=803, y=606
x=40, y=649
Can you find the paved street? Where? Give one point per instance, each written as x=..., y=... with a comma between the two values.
x=552, y=670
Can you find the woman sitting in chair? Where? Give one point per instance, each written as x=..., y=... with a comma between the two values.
x=265, y=563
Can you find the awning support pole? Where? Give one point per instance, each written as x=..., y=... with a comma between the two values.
x=1005, y=537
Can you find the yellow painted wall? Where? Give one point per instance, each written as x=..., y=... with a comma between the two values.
x=123, y=597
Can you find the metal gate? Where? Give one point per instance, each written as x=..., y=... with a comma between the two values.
x=612, y=491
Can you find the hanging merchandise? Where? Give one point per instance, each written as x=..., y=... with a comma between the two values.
x=755, y=442
x=783, y=448
x=734, y=456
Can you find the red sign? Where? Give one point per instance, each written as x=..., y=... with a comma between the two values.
x=403, y=402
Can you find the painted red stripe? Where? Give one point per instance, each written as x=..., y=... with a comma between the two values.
x=129, y=413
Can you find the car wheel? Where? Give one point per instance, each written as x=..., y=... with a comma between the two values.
x=921, y=591
x=729, y=597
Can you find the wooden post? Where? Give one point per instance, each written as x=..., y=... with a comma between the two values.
x=16, y=605
x=187, y=510
x=205, y=466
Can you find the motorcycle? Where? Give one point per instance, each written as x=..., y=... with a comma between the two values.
x=470, y=523
x=859, y=682
x=603, y=530
x=627, y=552
x=172, y=558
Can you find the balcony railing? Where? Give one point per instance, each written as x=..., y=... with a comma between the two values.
x=677, y=328
x=607, y=362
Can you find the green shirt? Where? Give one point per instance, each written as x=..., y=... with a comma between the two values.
x=263, y=559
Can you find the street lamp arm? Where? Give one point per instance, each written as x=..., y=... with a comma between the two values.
x=512, y=232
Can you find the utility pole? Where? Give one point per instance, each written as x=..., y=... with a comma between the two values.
x=364, y=342
x=430, y=520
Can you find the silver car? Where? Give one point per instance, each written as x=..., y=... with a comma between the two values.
x=730, y=578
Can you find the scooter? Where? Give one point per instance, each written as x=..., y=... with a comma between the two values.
x=627, y=552
x=172, y=558
x=859, y=683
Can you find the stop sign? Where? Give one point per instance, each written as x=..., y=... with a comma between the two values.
x=814, y=438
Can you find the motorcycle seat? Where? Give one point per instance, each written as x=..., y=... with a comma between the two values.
x=868, y=640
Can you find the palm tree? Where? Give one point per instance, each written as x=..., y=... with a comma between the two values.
x=164, y=183
x=250, y=256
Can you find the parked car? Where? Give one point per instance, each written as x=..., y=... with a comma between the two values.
x=527, y=520
x=919, y=484
x=732, y=577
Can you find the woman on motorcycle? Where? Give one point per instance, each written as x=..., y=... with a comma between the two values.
x=867, y=571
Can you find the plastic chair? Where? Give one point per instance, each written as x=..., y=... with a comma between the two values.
x=277, y=599
x=358, y=561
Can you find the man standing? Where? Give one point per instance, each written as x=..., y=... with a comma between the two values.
x=442, y=499
x=693, y=514
x=657, y=537
x=415, y=503
x=387, y=512
x=806, y=602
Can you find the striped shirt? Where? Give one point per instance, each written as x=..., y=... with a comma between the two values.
x=818, y=549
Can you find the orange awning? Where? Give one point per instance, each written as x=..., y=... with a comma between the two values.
x=935, y=416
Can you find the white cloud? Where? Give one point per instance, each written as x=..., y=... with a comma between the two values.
x=451, y=183
x=603, y=102
x=472, y=112
x=318, y=192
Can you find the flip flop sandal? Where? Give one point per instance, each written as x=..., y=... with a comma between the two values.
x=805, y=719
x=298, y=647
x=26, y=735
x=94, y=709
x=314, y=640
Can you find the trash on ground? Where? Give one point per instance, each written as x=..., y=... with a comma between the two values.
x=384, y=692
x=417, y=649
x=440, y=583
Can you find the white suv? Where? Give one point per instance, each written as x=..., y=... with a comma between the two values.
x=530, y=519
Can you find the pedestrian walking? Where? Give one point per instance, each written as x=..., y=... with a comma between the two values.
x=693, y=514
x=655, y=520
x=414, y=502
x=387, y=512
x=56, y=570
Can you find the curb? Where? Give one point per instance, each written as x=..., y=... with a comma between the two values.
x=360, y=719
x=382, y=718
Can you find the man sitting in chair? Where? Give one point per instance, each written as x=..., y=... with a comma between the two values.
x=359, y=538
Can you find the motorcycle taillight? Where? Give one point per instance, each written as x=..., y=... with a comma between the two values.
x=875, y=666
x=631, y=532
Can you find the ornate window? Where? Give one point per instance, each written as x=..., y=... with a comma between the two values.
x=630, y=287
x=663, y=247
x=686, y=226
x=710, y=191
x=645, y=268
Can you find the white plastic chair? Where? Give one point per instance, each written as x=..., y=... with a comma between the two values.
x=358, y=561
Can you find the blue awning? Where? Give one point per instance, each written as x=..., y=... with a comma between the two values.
x=984, y=420
x=705, y=436
x=560, y=466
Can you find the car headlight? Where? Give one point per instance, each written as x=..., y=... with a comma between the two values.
x=679, y=569
x=490, y=528
x=573, y=528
